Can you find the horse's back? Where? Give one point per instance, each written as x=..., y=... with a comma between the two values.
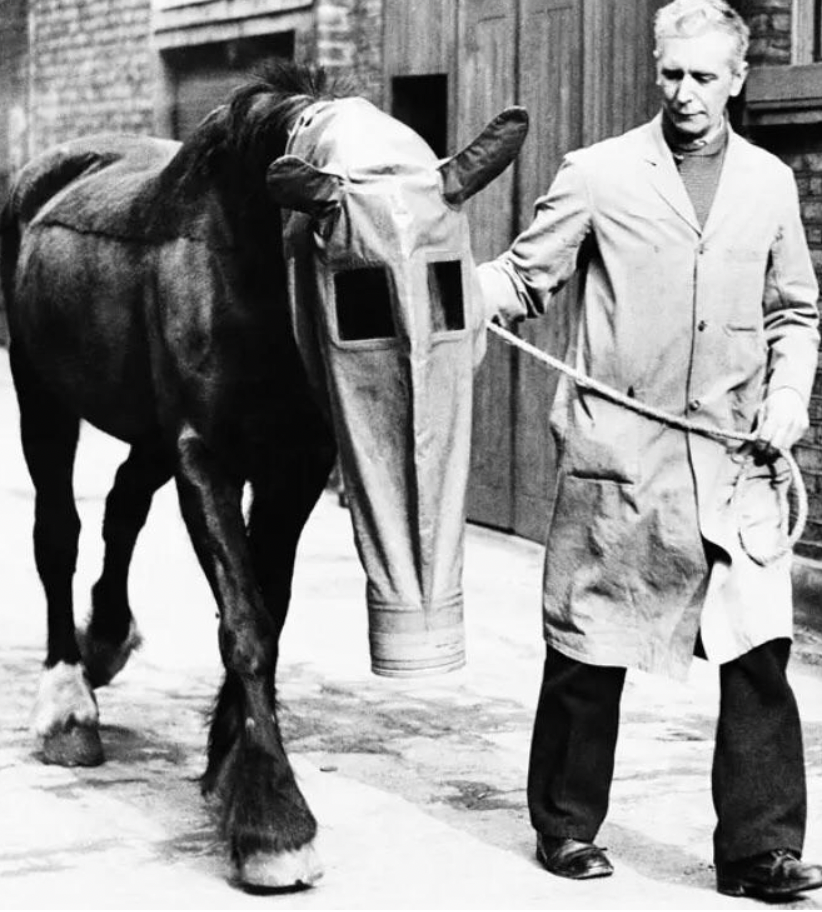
x=78, y=274
x=51, y=173
x=101, y=184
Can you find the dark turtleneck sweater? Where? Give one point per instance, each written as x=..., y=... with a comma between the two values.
x=699, y=164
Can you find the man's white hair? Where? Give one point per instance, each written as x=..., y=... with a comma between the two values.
x=686, y=18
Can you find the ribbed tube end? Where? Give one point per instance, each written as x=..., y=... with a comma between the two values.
x=407, y=641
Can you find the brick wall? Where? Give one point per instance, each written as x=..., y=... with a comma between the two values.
x=805, y=157
x=801, y=148
x=13, y=45
x=349, y=39
x=92, y=68
x=770, y=25
x=13, y=94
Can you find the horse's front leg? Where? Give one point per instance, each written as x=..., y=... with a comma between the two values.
x=284, y=494
x=266, y=821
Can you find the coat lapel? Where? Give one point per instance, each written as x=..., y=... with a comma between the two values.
x=664, y=176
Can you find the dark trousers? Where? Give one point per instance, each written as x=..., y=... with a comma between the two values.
x=758, y=776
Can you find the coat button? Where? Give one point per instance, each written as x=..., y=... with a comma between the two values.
x=701, y=325
x=694, y=405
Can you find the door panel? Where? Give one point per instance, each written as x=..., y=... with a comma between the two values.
x=420, y=42
x=584, y=70
x=419, y=36
x=486, y=74
x=203, y=76
x=551, y=74
x=619, y=70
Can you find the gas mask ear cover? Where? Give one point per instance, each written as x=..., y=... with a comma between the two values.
x=467, y=172
x=295, y=184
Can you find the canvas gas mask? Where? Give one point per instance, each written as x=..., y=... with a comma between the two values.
x=388, y=318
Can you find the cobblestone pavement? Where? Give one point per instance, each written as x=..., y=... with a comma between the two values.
x=418, y=785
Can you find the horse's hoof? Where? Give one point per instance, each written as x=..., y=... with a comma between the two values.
x=283, y=871
x=103, y=660
x=77, y=745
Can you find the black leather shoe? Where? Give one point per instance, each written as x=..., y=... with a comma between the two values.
x=572, y=858
x=773, y=876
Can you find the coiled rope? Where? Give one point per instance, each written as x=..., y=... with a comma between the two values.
x=797, y=486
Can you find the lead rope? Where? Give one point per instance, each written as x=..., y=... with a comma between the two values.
x=607, y=392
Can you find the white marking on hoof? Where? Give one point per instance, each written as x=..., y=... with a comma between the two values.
x=298, y=868
x=63, y=698
x=104, y=660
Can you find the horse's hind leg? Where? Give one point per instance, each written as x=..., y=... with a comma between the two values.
x=65, y=714
x=111, y=634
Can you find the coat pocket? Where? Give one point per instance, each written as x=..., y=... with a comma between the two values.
x=745, y=255
x=743, y=362
x=601, y=441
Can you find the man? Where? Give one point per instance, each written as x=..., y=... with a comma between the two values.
x=697, y=297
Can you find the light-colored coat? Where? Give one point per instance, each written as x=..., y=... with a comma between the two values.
x=699, y=322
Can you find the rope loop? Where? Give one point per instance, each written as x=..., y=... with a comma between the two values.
x=796, y=486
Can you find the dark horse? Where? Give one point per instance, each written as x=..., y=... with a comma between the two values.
x=146, y=289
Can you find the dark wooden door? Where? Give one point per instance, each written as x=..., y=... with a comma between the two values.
x=203, y=76
x=486, y=83
x=584, y=70
x=419, y=36
x=550, y=60
x=619, y=71
x=586, y=73
x=419, y=47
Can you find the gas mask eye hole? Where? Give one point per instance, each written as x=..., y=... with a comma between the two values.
x=363, y=302
x=445, y=292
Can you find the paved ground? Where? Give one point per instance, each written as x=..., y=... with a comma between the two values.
x=418, y=785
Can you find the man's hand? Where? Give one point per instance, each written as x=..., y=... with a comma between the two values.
x=781, y=420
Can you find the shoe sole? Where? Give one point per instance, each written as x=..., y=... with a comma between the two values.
x=754, y=891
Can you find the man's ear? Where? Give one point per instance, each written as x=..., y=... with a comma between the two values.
x=739, y=77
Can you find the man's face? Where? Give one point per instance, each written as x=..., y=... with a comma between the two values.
x=697, y=77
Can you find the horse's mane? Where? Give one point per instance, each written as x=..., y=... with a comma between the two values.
x=212, y=187
x=252, y=127
x=231, y=148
